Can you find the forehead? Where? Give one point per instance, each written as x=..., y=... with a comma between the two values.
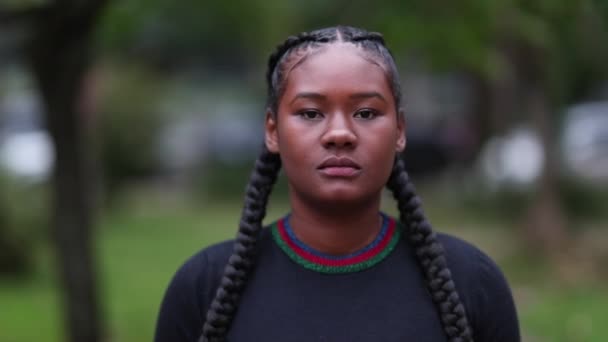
x=338, y=68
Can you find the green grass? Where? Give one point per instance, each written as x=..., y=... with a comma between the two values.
x=140, y=248
x=551, y=313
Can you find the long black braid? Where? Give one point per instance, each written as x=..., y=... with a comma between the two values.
x=430, y=254
x=428, y=249
x=241, y=261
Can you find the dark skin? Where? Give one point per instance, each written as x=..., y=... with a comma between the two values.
x=337, y=131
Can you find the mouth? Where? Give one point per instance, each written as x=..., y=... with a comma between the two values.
x=339, y=167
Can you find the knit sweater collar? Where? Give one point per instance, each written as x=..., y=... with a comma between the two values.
x=314, y=260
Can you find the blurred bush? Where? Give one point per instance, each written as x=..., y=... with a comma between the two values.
x=581, y=201
x=129, y=125
x=23, y=222
x=227, y=181
x=584, y=200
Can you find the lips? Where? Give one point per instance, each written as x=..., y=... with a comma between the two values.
x=339, y=167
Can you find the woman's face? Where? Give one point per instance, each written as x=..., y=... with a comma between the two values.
x=336, y=129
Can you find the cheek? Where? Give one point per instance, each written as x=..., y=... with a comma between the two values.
x=382, y=166
x=292, y=145
x=295, y=149
x=382, y=138
x=296, y=138
x=382, y=154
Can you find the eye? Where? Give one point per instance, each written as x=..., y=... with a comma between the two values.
x=365, y=114
x=310, y=114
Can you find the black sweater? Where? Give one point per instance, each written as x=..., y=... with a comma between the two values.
x=283, y=301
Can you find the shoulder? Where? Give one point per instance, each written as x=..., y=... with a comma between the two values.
x=190, y=293
x=473, y=271
x=465, y=257
x=484, y=290
x=214, y=255
x=471, y=266
x=202, y=272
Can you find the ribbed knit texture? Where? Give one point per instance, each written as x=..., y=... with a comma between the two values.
x=311, y=259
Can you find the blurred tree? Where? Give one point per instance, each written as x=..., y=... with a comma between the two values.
x=57, y=47
x=173, y=34
x=557, y=51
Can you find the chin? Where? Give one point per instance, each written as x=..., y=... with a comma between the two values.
x=345, y=197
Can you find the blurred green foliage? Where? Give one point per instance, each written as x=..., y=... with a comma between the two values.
x=580, y=201
x=584, y=201
x=23, y=214
x=129, y=125
x=467, y=34
x=19, y=4
x=227, y=182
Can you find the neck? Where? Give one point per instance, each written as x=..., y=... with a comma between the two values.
x=336, y=231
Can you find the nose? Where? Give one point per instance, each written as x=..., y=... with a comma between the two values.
x=339, y=133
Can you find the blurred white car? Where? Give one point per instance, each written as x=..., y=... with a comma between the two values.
x=27, y=155
x=585, y=141
x=26, y=150
x=517, y=157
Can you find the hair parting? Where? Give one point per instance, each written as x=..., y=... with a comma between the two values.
x=428, y=250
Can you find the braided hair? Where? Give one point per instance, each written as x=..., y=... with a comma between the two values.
x=428, y=250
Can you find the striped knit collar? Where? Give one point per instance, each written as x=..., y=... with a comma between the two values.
x=314, y=260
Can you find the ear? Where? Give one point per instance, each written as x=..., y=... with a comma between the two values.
x=271, y=136
x=401, y=138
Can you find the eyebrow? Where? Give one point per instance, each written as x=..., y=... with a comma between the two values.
x=308, y=95
x=366, y=95
x=356, y=96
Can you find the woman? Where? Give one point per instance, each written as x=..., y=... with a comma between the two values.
x=336, y=268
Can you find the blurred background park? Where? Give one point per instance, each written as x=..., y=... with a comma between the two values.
x=128, y=129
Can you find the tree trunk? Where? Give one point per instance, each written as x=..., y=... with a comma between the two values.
x=495, y=102
x=546, y=223
x=59, y=57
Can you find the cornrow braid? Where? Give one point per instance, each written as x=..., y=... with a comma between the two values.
x=281, y=49
x=369, y=36
x=241, y=261
x=369, y=41
x=430, y=254
x=273, y=74
x=373, y=42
